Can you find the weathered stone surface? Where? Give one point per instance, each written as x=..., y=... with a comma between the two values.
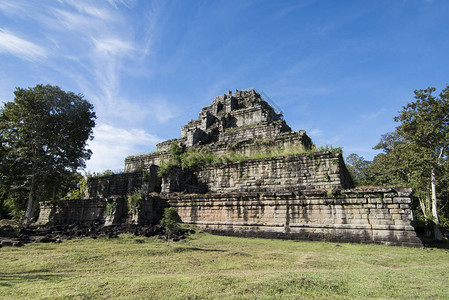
x=323, y=171
x=305, y=196
x=296, y=216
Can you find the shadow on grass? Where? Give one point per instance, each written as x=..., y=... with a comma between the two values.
x=9, y=279
x=431, y=243
x=184, y=249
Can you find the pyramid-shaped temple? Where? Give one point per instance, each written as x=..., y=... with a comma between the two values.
x=240, y=170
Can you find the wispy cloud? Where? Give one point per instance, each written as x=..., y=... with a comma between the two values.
x=372, y=116
x=112, y=145
x=107, y=47
x=283, y=12
x=89, y=46
x=315, y=132
x=87, y=8
x=163, y=111
x=112, y=46
x=19, y=47
x=73, y=20
x=12, y=7
x=117, y=3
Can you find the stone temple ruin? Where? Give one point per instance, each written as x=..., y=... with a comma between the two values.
x=293, y=195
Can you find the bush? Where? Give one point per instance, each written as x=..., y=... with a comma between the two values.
x=134, y=200
x=170, y=221
x=110, y=208
x=165, y=167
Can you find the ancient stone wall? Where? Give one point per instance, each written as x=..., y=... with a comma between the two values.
x=150, y=211
x=123, y=184
x=72, y=211
x=118, y=184
x=252, y=132
x=145, y=161
x=247, y=141
x=322, y=170
x=259, y=144
x=165, y=146
x=360, y=215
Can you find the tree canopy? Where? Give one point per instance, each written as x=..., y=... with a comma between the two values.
x=415, y=155
x=44, y=133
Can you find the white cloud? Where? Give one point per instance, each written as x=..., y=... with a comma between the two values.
x=74, y=21
x=315, y=132
x=116, y=3
x=283, y=12
x=85, y=7
x=112, y=46
x=99, y=40
x=372, y=116
x=21, y=48
x=163, y=111
x=13, y=8
x=112, y=145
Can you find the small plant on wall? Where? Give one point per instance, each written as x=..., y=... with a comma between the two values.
x=110, y=208
x=134, y=200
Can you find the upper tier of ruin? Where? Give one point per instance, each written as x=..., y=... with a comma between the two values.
x=236, y=120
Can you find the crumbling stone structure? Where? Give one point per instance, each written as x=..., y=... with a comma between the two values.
x=302, y=195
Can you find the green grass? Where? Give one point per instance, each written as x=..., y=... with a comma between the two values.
x=211, y=267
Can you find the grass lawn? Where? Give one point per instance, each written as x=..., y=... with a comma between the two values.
x=214, y=267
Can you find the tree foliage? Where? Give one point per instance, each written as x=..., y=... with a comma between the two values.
x=44, y=133
x=416, y=155
x=358, y=168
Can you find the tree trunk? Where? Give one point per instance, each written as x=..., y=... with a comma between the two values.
x=422, y=204
x=425, y=204
x=436, y=226
x=30, y=203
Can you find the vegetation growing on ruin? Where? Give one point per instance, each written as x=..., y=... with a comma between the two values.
x=218, y=267
x=110, y=208
x=165, y=167
x=143, y=154
x=134, y=200
x=231, y=129
x=196, y=157
x=78, y=191
x=107, y=172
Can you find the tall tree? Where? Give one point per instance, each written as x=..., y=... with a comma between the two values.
x=403, y=164
x=358, y=168
x=416, y=154
x=45, y=131
x=425, y=122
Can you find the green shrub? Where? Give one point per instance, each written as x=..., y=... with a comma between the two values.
x=134, y=200
x=110, y=208
x=107, y=172
x=176, y=151
x=170, y=221
x=165, y=167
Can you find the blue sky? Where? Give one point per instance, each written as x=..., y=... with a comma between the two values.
x=341, y=70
